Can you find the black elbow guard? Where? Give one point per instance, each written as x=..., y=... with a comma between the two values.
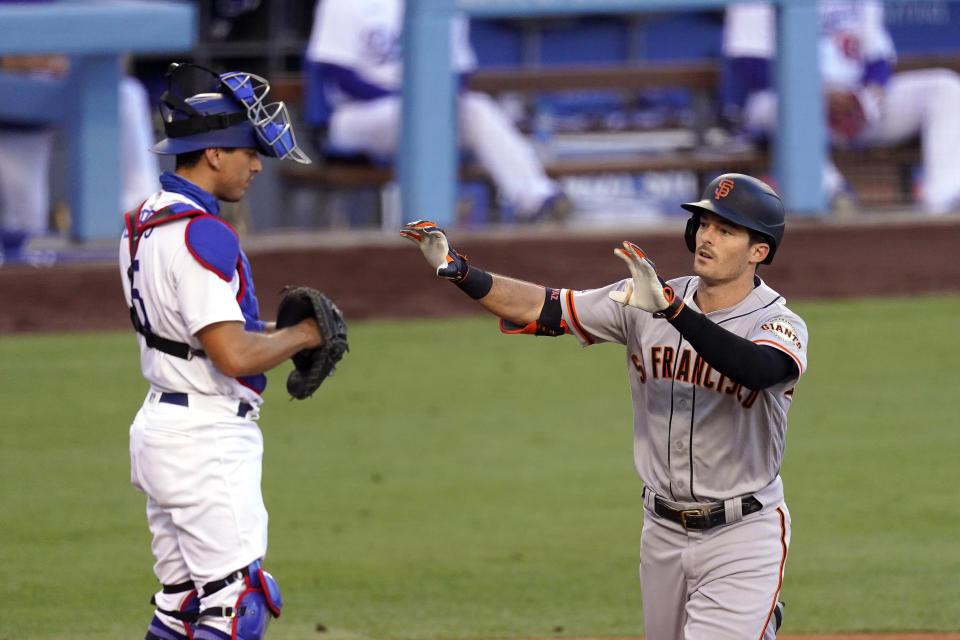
x=550, y=322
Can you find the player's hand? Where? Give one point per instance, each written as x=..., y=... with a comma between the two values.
x=646, y=290
x=432, y=241
x=846, y=117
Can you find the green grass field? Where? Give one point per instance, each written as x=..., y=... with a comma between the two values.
x=451, y=482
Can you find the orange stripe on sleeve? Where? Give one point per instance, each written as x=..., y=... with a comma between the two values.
x=780, y=347
x=576, y=321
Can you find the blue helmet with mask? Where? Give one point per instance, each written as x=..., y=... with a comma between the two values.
x=230, y=112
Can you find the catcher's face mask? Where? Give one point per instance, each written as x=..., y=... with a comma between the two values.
x=271, y=121
x=228, y=111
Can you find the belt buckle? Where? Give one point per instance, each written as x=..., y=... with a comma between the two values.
x=691, y=513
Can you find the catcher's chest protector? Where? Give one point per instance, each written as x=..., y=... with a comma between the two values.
x=135, y=231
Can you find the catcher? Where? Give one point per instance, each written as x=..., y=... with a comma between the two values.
x=195, y=447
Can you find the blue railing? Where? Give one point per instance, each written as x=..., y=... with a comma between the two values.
x=427, y=167
x=85, y=104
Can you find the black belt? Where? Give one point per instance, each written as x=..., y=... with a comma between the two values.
x=704, y=517
x=183, y=400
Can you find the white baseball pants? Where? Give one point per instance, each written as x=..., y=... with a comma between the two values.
x=373, y=128
x=139, y=168
x=719, y=584
x=25, y=179
x=200, y=470
x=922, y=102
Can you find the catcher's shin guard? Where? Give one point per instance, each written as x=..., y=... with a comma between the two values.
x=177, y=608
x=239, y=606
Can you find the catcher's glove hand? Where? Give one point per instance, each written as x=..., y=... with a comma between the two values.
x=312, y=365
x=646, y=290
x=432, y=240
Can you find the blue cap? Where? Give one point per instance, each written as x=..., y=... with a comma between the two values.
x=219, y=121
x=233, y=115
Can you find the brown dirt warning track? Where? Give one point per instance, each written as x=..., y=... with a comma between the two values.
x=385, y=277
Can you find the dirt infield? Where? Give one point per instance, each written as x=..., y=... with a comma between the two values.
x=841, y=636
x=385, y=277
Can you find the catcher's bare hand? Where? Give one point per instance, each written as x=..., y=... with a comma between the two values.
x=432, y=241
x=646, y=290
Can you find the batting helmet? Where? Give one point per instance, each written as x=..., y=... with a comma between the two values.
x=230, y=113
x=742, y=200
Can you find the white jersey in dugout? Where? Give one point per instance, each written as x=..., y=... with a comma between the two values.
x=364, y=35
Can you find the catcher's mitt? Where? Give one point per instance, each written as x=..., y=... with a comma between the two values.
x=312, y=365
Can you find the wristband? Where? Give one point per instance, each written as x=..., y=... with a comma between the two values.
x=671, y=312
x=475, y=283
x=675, y=304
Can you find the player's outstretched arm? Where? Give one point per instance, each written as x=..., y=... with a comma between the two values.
x=514, y=300
x=235, y=352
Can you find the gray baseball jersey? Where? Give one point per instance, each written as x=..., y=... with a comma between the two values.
x=698, y=436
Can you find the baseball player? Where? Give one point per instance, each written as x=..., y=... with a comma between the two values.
x=712, y=361
x=353, y=76
x=195, y=447
x=25, y=152
x=867, y=104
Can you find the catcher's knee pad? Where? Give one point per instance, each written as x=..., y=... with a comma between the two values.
x=239, y=606
x=177, y=608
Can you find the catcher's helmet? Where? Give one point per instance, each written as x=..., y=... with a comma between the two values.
x=229, y=113
x=743, y=200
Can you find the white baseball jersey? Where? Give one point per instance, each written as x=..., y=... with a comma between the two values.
x=698, y=437
x=183, y=282
x=852, y=35
x=854, y=40
x=25, y=155
x=365, y=36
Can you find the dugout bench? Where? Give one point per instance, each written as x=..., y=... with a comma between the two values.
x=881, y=176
